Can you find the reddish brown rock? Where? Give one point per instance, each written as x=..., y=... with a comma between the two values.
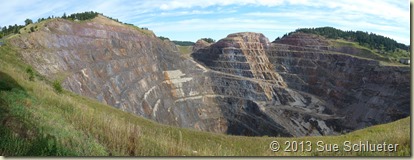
x=200, y=44
x=240, y=85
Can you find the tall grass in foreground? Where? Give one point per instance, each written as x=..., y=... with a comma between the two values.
x=35, y=119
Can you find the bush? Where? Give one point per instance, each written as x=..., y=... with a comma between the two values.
x=209, y=40
x=184, y=43
x=31, y=73
x=44, y=145
x=57, y=86
x=163, y=38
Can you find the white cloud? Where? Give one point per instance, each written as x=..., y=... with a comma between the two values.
x=182, y=13
x=15, y=12
x=175, y=4
x=386, y=9
x=389, y=17
x=378, y=17
x=226, y=24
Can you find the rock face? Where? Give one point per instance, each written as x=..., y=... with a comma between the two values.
x=242, y=72
x=124, y=67
x=362, y=91
x=242, y=85
x=308, y=87
x=200, y=44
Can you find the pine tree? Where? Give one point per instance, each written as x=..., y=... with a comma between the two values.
x=28, y=21
x=16, y=29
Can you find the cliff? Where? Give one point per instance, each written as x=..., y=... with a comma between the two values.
x=363, y=91
x=243, y=84
x=125, y=67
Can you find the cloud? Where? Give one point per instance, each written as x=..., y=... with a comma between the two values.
x=175, y=4
x=334, y=17
x=388, y=17
x=385, y=9
x=225, y=26
x=381, y=17
x=15, y=12
x=181, y=13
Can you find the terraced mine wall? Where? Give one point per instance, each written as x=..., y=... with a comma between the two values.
x=363, y=91
x=242, y=85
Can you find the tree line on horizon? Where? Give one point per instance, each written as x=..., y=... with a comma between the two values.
x=370, y=40
x=181, y=43
x=187, y=43
x=14, y=29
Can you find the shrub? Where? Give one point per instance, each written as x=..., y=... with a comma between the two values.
x=57, y=86
x=31, y=73
x=163, y=38
x=209, y=40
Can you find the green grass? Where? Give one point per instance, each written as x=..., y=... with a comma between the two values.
x=363, y=51
x=36, y=120
x=386, y=58
x=57, y=86
x=185, y=50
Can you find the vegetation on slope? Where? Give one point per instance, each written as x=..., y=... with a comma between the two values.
x=371, y=40
x=16, y=29
x=366, y=45
x=184, y=43
x=209, y=40
x=184, y=47
x=185, y=50
x=10, y=30
x=180, y=43
x=163, y=38
x=81, y=16
x=38, y=120
x=362, y=51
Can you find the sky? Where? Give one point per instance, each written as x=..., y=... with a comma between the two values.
x=194, y=19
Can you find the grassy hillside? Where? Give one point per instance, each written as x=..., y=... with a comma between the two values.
x=37, y=120
x=365, y=52
x=183, y=43
x=370, y=40
x=361, y=44
x=185, y=50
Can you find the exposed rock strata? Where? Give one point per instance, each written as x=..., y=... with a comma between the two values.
x=240, y=85
x=363, y=91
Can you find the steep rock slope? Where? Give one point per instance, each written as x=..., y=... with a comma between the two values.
x=243, y=73
x=363, y=91
x=307, y=86
x=124, y=67
x=240, y=85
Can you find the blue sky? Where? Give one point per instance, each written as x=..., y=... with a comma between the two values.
x=194, y=19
